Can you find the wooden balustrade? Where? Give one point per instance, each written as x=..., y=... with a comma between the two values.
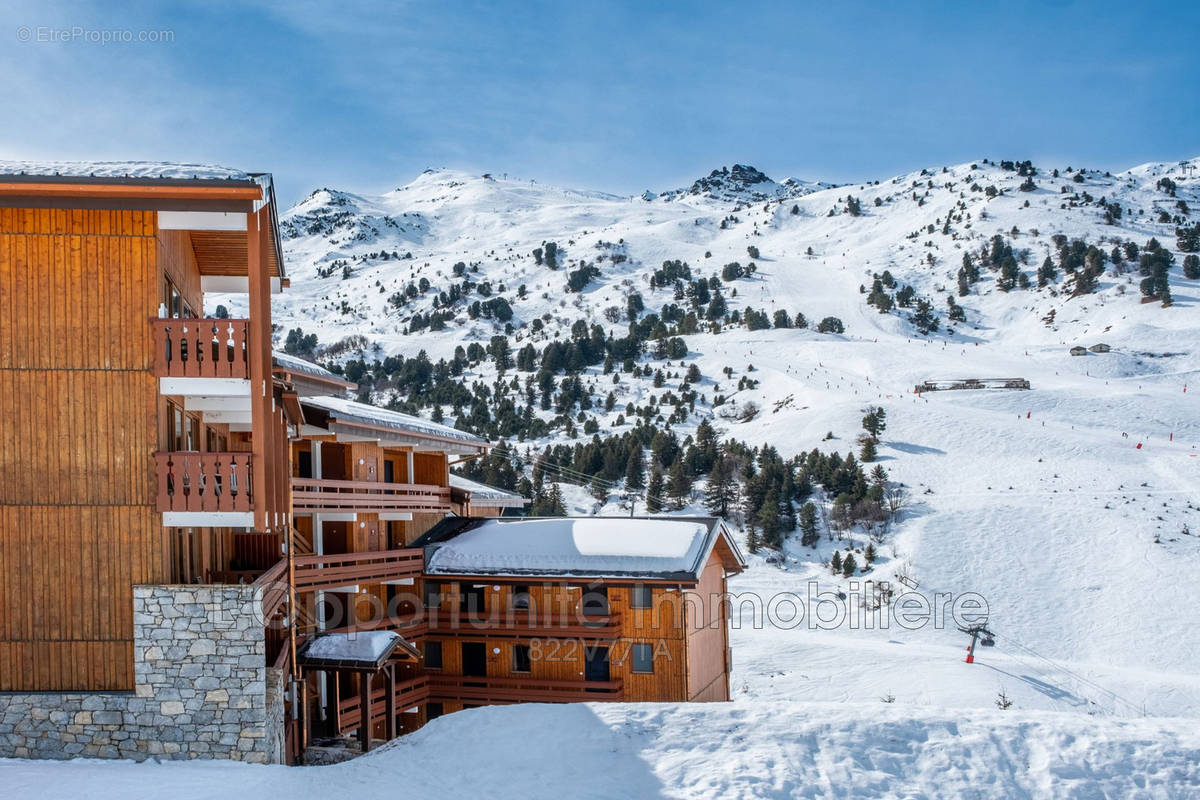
x=470, y=689
x=274, y=588
x=409, y=692
x=326, y=496
x=192, y=481
x=525, y=624
x=200, y=348
x=329, y=572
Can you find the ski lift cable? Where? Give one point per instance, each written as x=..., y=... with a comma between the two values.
x=1085, y=681
x=577, y=477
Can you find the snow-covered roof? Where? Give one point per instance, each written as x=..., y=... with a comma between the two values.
x=294, y=364
x=344, y=410
x=361, y=648
x=124, y=169
x=481, y=491
x=601, y=547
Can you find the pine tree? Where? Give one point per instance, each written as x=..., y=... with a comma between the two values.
x=848, y=565
x=835, y=565
x=1191, y=267
x=809, y=532
x=753, y=542
x=869, y=553
x=654, y=491
x=768, y=518
x=680, y=485
x=635, y=469
x=868, y=452
x=721, y=490
x=554, y=502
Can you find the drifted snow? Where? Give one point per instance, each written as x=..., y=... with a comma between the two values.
x=693, y=751
x=595, y=546
x=122, y=169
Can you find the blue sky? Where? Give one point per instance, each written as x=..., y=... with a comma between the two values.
x=614, y=96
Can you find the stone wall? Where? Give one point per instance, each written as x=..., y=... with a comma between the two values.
x=200, y=689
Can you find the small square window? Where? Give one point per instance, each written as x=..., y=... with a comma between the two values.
x=642, y=597
x=433, y=655
x=643, y=658
x=521, y=660
x=520, y=598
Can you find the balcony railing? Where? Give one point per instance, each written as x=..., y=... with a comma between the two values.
x=520, y=690
x=200, y=348
x=191, y=481
x=330, y=572
x=409, y=692
x=326, y=496
x=525, y=624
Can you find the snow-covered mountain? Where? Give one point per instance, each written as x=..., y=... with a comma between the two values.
x=1071, y=507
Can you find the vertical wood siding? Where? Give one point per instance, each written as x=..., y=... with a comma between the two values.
x=78, y=400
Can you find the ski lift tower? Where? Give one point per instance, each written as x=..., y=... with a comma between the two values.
x=978, y=633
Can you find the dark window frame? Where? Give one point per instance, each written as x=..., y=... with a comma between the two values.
x=643, y=665
x=433, y=646
x=518, y=662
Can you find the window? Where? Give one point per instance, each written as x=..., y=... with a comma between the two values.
x=473, y=598
x=433, y=594
x=643, y=658
x=521, y=662
x=433, y=655
x=433, y=710
x=520, y=598
x=389, y=471
x=595, y=601
x=642, y=597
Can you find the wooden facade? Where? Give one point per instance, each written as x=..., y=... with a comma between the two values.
x=86, y=271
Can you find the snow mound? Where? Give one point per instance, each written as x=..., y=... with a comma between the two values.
x=726, y=750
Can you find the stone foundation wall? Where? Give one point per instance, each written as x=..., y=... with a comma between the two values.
x=201, y=689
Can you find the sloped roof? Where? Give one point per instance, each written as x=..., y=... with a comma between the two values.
x=300, y=367
x=654, y=548
x=358, y=650
x=342, y=410
x=481, y=493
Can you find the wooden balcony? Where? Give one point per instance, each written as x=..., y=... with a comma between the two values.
x=525, y=624
x=468, y=689
x=409, y=693
x=315, y=495
x=201, y=348
x=204, y=482
x=330, y=572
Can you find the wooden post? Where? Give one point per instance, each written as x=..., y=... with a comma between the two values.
x=364, y=711
x=391, y=702
x=258, y=350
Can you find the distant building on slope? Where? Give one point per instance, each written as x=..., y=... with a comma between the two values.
x=1100, y=347
x=1079, y=350
x=576, y=609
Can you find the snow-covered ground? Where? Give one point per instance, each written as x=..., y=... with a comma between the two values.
x=720, y=751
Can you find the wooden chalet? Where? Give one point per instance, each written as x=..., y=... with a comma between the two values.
x=576, y=609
